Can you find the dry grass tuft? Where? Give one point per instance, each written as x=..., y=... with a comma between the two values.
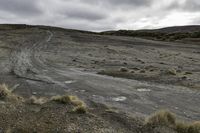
x=172, y=72
x=162, y=118
x=188, y=127
x=80, y=109
x=37, y=101
x=4, y=92
x=123, y=69
x=168, y=119
x=80, y=106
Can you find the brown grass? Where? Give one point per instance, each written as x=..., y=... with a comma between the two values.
x=168, y=119
x=6, y=94
x=37, y=101
x=80, y=106
x=162, y=117
x=172, y=72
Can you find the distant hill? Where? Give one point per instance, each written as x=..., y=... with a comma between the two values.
x=168, y=33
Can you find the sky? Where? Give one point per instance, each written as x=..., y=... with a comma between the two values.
x=101, y=15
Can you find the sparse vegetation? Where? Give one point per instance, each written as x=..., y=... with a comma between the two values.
x=162, y=117
x=37, y=101
x=65, y=99
x=172, y=71
x=4, y=92
x=80, y=106
x=168, y=119
x=123, y=69
x=188, y=73
x=80, y=109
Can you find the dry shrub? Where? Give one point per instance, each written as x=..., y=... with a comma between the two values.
x=37, y=101
x=6, y=94
x=188, y=127
x=162, y=117
x=80, y=106
x=168, y=119
x=80, y=109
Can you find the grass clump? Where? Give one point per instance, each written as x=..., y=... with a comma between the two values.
x=65, y=99
x=162, y=118
x=4, y=92
x=80, y=106
x=188, y=127
x=80, y=109
x=37, y=101
x=172, y=72
x=167, y=119
x=188, y=73
x=123, y=69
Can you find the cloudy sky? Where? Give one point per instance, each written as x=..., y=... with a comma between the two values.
x=100, y=15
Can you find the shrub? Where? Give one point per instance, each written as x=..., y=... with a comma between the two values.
x=65, y=99
x=194, y=127
x=182, y=127
x=162, y=117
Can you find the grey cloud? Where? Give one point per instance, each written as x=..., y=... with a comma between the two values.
x=192, y=5
x=120, y=3
x=20, y=7
x=98, y=15
x=84, y=13
x=188, y=5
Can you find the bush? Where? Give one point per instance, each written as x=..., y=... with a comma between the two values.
x=187, y=127
x=65, y=99
x=164, y=118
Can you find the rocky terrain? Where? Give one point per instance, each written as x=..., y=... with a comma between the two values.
x=133, y=75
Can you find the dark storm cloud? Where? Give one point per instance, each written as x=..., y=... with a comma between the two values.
x=20, y=7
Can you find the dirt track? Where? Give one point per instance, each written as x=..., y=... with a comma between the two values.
x=46, y=62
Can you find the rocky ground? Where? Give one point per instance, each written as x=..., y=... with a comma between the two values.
x=132, y=75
